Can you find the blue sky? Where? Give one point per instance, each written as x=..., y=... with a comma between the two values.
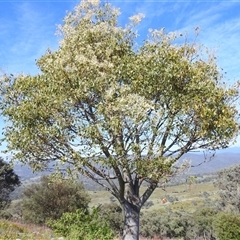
x=27, y=28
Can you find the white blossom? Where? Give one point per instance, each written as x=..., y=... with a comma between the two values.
x=137, y=18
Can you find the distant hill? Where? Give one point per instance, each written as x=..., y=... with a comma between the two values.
x=223, y=159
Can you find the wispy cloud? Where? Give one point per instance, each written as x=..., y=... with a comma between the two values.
x=32, y=35
x=219, y=31
x=27, y=35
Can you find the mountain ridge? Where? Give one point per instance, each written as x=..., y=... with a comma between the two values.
x=223, y=159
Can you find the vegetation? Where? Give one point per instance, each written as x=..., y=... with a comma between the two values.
x=8, y=182
x=116, y=111
x=112, y=213
x=82, y=225
x=227, y=226
x=193, y=217
x=14, y=230
x=228, y=182
x=50, y=198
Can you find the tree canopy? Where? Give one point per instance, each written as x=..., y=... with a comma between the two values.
x=114, y=108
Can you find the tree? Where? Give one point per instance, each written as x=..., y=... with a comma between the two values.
x=49, y=199
x=191, y=181
x=119, y=112
x=8, y=182
x=228, y=182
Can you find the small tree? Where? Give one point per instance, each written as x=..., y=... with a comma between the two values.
x=8, y=182
x=191, y=181
x=228, y=182
x=49, y=199
x=119, y=112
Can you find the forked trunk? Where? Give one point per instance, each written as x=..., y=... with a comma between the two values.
x=131, y=221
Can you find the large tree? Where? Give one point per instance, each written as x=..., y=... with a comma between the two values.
x=119, y=111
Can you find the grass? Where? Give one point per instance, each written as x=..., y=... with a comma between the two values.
x=188, y=198
x=14, y=230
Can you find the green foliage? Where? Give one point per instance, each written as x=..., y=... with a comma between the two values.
x=8, y=182
x=168, y=224
x=50, y=198
x=203, y=219
x=179, y=224
x=227, y=226
x=113, y=214
x=228, y=182
x=82, y=225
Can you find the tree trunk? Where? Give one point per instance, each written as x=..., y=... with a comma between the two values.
x=131, y=221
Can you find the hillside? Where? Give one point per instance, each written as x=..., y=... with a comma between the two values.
x=201, y=166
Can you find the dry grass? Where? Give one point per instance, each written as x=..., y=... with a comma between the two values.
x=16, y=230
x=154, y=238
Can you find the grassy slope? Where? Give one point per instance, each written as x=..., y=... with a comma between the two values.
x=188, y=198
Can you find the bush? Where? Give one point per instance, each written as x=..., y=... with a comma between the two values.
x=227, y=226
x=228, y=182
x=82, y=225
x=187, y=226
x=167, y=224
x=50, y=199
x=112, y=213
x=203, y=219
x=153, y=224
x=148, y=204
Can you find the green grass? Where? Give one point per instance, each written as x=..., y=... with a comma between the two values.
x=99, y=197
x=188, y=198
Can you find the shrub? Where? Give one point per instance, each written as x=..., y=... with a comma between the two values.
x=153, y=224
x=227, y=226
x=50, y=199
x=203, y=219
x=112, y=213
x=82, y=225
x=179, y=224
x=148, y=204
x=228, y=182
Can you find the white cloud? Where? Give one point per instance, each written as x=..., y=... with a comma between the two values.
x=26, y=37
x=219, y=33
